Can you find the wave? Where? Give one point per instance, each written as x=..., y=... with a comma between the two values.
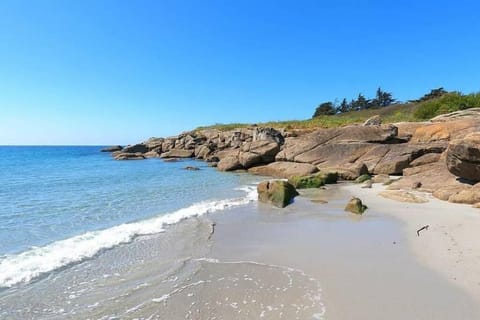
x=25, y=266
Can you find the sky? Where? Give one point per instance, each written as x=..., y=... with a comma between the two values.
x=116, y=72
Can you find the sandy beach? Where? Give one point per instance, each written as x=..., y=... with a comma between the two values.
x=310, y=260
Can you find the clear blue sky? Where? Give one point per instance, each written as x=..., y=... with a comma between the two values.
x=104, y=72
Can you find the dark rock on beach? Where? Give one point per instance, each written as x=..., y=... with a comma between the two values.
x=277, y=192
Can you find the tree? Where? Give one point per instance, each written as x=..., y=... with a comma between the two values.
x=434, y=93
x=382, y=99
x=326, y=108
x=344, y=106
x=362, y=102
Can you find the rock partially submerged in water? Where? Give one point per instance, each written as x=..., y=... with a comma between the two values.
x=111, y=149
x=191, y=168
x=356, y=206
x=277, y=192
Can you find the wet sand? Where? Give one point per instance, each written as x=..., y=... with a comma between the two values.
x=310, y=260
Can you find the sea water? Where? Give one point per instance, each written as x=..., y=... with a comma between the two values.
x=60, y=205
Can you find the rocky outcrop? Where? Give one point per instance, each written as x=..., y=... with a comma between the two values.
x=277, y=192
x=463, y=157
x=416, y=151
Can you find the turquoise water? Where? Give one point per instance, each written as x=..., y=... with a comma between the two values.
x=61, y=204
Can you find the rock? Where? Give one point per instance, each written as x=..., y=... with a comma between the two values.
x=363, y=178
x=468, y=196
x=151, y=154
x=463, y=157
x=111, y=149
x=229, y=162
x=155, y=143
x=191, y=168
x=213, y=164
x=202, y=152
x=472, y=113
x=177, y=153
x=368, y=184
x=129, y=156
x=402, y=196
x=283, y=169
x=278, y=192
x=445, y=131
x=425, y=159
x=399, y=156
x=310, y=148
x=313, y=181
x=268, y=134
x=258, y=152
x=136, y=148
x=380, y=178
x=349, y=171
x=373, y=121
x=407, y=129
x=171, y=160
x=356, y=206
x=416, y=185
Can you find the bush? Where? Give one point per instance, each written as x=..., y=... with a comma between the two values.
x=449, y=102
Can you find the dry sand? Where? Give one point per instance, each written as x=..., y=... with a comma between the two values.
x=450, y=246
x=369, y=267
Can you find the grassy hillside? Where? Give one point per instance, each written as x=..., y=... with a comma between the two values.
x=414, y=111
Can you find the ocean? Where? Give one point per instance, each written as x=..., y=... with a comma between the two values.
x=60, y=205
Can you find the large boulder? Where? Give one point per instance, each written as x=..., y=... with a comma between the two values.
x=155, y=143
x=177, y=153
x=128, y=156
x=463, y=157
x=136, y=148
x=315, y=180
x=268, y=134
x=277, y=192
x=284, y=169
x=229, y=160
x=311, y=147
x=258, y=152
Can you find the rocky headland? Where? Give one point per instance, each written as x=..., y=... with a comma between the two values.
x=440, y=156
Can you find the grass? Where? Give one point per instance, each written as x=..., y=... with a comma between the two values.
x=395, y=113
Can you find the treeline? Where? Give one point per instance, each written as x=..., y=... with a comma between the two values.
x=381, y=99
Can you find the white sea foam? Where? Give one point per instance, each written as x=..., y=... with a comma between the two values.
x=27, y=265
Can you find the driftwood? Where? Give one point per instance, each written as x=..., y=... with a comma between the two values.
x=212, y=230
x=421, y=229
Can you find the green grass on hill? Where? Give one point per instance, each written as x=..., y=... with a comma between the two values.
x=413, y=111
